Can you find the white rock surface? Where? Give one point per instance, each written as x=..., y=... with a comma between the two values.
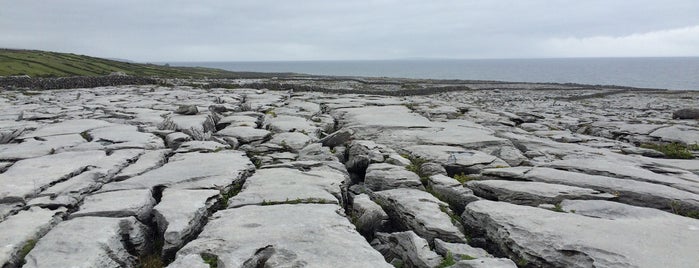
x=547, y=238
x=312, y=235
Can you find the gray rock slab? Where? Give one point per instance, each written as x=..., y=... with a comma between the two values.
x=456, y=159
x=68, y=193
x=239, y=120
x=199, y=127
x=627, y=191
x=368, y=216
x=125, y=136
x=279, y=185
x=182, y=213
x=148, y=161
x=201, y=146
x=292, y=141
x=382, y=176
x=459, y=251
x=451, y=191
x=421, y=212
x=24, y=227
x=411, y=249
x=287, y=123
x=33, y=147
x=312, y=235
x=245, y=134
x=678, y=133
x=75, y=126
x=88, y=242
x=28, y=177
x=337, y=138
x=532, y=193
x=118, y=204
x=546, y=238
x=192, y=171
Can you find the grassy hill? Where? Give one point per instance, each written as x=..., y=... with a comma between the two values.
x=37, y=63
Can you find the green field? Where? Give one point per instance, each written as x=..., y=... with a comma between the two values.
x=37, y=63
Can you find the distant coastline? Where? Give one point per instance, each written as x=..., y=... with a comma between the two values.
x=676, y=73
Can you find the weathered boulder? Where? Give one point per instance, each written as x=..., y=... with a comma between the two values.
x=689, y=113
x=187, y=110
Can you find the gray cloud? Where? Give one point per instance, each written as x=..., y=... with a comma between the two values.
x=177, y=30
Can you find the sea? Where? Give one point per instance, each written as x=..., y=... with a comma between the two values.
x=676, y=73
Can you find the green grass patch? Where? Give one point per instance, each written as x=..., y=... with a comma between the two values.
x=463, y=178
x=232, y=191
x=210, y=259
x=447, y=261
x=416, y=167
x=26, y=249
x=673, y=150
x=37, y=63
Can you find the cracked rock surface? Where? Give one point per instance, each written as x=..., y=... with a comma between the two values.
x=500, y=175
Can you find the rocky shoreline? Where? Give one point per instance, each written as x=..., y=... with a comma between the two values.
x=220, y=173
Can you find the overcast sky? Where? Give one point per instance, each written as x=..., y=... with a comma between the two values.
x=248, y=30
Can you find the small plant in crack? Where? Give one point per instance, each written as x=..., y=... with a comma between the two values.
x=416, y=167
x=210, y=259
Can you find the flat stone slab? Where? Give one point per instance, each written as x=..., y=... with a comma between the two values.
x=292, y=141
x=279, y=185
x=546, y=238
x=421, y=212
x=148, y=161
x=192, y=171
x=75, y=126
x=28, y=177
x=33, y=147
x=627, y=170
x=456, y=159
x=382, y=176
x=118, y=204
x=627, y=191
x=287, y=123
x=88, y=242
x=125, y=136
x=182, y=213
x=308, y=235
x=22, y=228
x=678, y=133
x=245, y=134
x=532, y=193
